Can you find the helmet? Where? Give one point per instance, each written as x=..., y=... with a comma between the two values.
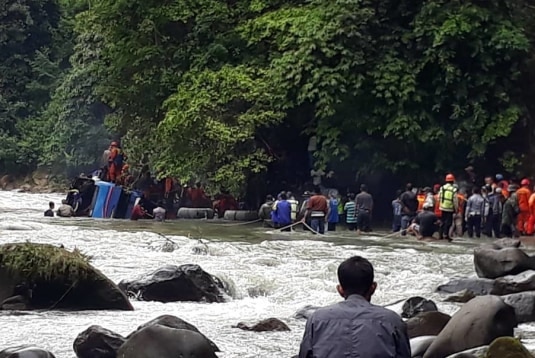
x=450, y=177
x=524, y=182
x=499, y=177
x=114, y=144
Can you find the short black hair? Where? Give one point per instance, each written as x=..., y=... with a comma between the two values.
x=51, y=204
x=269, y=197
x=363, y=187
x=351, y=196
x=408, y=186
x=317, y=190
x=476, y=190
x=355, y=275
x=283, y=196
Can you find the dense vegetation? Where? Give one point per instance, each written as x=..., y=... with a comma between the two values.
x=228, y=91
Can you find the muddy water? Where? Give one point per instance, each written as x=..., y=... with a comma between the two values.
x=289, y=271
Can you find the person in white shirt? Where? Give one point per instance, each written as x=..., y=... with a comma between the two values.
x=159, y=212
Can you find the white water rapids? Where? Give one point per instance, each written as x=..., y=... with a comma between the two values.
x=292, y=270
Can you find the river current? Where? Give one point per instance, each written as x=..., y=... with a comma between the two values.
x=270, y=274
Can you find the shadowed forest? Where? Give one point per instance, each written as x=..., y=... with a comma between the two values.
x=229, y=92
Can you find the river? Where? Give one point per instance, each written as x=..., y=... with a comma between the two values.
x=289, y=270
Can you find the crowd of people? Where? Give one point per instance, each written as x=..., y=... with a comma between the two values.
x=499, y=208
x=318, y=211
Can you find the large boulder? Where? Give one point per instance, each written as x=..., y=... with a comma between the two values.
x=164, y=342
x=416, y=305
x=427, y=324
x=25, y=352
x=175, y=283
x=490, y=263
x=43, y=276
x=460, y=297
x=507, y=347
x=475, y=286
x=524, y=281
x=479, y=352
x=266, y=325
x=173, y=322
x=523, y=304
x=476, y=324
x=97, y=342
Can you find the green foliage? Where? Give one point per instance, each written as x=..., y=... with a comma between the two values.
x=199, y=88
x=34, y=262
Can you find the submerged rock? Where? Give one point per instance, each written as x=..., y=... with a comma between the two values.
x=491, y=263
x=173, y=322
x=507, y=347
x=25, y=352
x=97, y=342
x=267, y=325
x=175, y=283
x=164, y=342
x=476, y=324
x=523, y=304
x=427, y=324
x=50, y=277
x=415, y=305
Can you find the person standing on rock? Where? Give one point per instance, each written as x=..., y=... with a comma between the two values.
x=409, y=204
x=449, y=204
x=355, y=327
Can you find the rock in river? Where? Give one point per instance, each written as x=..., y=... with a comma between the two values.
x=524, y=305
x=490, y=263
x=267, y=325
x=524, y=281
x=48, y=277
x=164, y=342
x=25, y=352
x=415, y=305
x=475, y=286
x=427, y=324
x=97, y=342
x=175, y=283
x=476, y=324
x=173, y=322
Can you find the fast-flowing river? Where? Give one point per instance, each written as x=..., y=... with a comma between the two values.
x=289, y=271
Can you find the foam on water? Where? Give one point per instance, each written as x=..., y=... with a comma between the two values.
x=292, y=273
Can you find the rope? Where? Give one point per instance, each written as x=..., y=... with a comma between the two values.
x=289, y=226
x=245, y=223
x=64, y=295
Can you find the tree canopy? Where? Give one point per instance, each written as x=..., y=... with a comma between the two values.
x=229, y=92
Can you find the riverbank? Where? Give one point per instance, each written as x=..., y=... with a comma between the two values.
x=38, y=182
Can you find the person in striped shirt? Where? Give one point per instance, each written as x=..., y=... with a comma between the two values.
x=350, y=209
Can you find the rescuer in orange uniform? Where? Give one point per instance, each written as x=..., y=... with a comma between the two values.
x=523, y=194
x=530, y=230
x=115, y=162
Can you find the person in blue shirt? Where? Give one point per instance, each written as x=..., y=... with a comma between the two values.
x=283, y=212
x=333, y=213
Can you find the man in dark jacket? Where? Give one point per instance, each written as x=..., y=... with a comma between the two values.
x=355, y=327
x=409, y=207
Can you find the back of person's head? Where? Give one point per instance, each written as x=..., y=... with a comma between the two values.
x=398, y=193
x=51, y=205
x=269, y=197
x=351, y=196
x=476, y=190
x=159, y=203
x=363, y=187
x=408, y=187
x=64, y=201
x=283, y=196
x=198, y=184
x=356, y=277
x=317, y=190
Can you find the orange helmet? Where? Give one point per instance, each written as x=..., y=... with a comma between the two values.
x=114, y=144
x=450, y=177
x=524, y=182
